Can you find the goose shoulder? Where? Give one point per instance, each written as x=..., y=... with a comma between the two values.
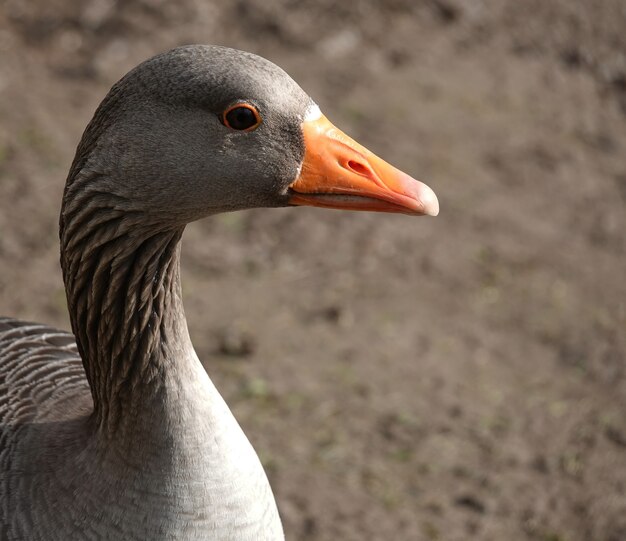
x=40, y=372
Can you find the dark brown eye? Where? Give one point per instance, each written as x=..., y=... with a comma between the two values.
x=242, y=117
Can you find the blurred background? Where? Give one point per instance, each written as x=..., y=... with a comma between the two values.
x=462, y=377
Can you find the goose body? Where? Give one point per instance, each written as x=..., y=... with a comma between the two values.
x=116, y=431
x=190, y=473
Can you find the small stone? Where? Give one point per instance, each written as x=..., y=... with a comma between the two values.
x=235, y=342
x=471, y=503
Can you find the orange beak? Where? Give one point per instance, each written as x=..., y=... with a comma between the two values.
x=339, y=173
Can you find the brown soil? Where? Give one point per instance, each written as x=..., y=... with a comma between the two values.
x=454, y=378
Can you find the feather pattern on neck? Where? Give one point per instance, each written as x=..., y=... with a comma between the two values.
x=123, y=287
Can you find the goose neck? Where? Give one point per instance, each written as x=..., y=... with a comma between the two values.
x=123, y=289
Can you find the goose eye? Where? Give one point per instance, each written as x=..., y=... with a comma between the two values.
x=242, y=117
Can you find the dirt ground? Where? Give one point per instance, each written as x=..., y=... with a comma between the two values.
x=455, y=378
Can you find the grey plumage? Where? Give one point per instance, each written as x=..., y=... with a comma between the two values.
x=144, y=448
x=193, y=477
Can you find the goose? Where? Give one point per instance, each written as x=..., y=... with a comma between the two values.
x=115, y=431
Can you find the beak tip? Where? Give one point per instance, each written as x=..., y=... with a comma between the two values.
x=428, y=200
x=431, y=206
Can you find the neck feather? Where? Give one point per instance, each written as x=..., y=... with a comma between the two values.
x=122, y=278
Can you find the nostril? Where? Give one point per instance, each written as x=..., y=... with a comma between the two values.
x=359, y=168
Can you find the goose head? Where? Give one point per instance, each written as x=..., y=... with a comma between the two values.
x=204, y=129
